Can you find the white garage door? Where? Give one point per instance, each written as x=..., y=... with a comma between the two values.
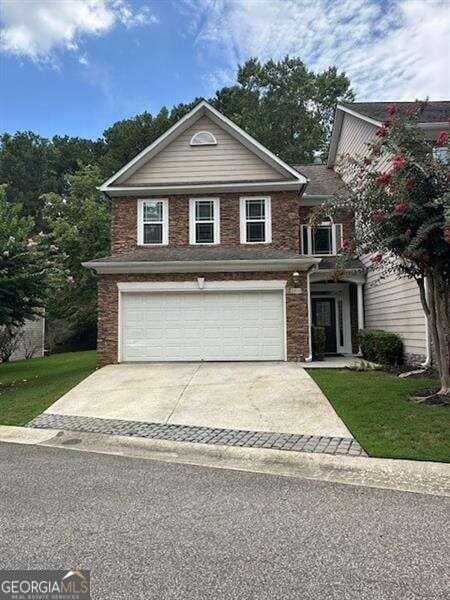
x=202, y=326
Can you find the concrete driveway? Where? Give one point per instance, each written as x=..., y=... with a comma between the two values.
x=255, y=396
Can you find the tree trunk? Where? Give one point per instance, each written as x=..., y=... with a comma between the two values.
x=442, y=327
x=435, y=306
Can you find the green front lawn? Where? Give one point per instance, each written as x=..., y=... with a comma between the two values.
x=29, y=386
x=376, y=408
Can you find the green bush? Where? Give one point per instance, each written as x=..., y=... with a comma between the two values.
x=381, y=347
x=318, y=342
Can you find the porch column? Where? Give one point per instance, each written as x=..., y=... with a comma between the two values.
x=360, y=305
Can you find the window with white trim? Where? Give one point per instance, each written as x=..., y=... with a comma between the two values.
x=256, y=221
x=204, y=221
x=323, y=240
x=203, y=138
x=441, y=153
x=153, y=222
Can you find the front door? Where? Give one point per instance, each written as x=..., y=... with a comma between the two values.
x=324, y=315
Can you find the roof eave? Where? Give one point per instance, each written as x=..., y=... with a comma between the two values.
x=205, y=266
x=202, y=187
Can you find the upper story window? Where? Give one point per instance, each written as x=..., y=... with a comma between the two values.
x=323, y=240
x=441, y=153
x=256, y=222
x=204, y=221
x=153, y=222
x=203, y=138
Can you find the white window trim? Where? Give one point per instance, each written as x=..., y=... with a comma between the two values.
x=211, y=143
x=140, y=221
x=192, y=222
x=334, y=248
x=267, y=218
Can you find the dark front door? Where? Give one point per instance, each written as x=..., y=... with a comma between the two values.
x=324, y=315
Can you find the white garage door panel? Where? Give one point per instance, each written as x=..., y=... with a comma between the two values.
x=202, y=326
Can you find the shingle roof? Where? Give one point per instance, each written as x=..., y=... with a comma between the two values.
x=328, y=263
x=434, y=112
x=198, y=253
x=322, y=180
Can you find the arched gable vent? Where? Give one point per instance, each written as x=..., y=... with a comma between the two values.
x=203, y=138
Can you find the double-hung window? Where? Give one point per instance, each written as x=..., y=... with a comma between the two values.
x=204, y=221
x=153, y=222
x=323, y=240
x=256, y=224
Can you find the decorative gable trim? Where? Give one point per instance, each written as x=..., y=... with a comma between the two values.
x=202, y=109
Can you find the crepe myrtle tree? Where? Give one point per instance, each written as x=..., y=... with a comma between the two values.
x=31, y=267
x=399, y=193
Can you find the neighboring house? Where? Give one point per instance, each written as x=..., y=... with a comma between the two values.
x=30, y=340
x=391, y=303
x=212, y=257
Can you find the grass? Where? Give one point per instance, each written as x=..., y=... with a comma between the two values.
x=376, y=408
x=28, y=387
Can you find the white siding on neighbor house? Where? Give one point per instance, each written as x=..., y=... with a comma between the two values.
x=393, y=304
x=180, y=162
x=31, y=340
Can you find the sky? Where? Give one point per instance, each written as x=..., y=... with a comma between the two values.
x=76, y=66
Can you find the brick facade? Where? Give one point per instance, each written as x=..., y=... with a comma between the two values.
x=296, y=308
x=285, y=221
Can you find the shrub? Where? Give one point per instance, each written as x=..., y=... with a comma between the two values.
x=318, y=342
x=381, y=347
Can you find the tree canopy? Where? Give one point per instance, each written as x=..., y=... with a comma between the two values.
x=30, y=266
x=284, y=105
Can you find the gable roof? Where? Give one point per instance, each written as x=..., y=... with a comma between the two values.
x=289, y=177
x=434, y=112
x=322, y=181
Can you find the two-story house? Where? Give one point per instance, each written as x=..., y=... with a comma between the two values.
x=390, y=303
x=212, y=257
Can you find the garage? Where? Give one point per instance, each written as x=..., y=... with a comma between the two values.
x=214, y=322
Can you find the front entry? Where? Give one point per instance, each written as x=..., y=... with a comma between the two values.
x=324, y=315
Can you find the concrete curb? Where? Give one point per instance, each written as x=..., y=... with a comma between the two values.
x=403, y=475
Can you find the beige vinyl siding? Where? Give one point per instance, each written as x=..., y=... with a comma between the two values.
x=355, y=135
x=393, y=304
x=229, y=160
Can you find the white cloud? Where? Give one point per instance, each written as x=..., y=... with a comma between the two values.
x=36, y=28
x=390, y=50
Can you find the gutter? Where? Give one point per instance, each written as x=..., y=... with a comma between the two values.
x=193, y=188
x=204, y=266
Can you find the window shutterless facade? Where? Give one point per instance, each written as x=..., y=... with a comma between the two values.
x=153, y=222
x=323, y=240
x=256, y=220
x=204, y=221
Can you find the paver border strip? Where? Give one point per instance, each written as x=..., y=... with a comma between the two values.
x=289, y=442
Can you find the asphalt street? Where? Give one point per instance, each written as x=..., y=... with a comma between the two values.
x=162, y=531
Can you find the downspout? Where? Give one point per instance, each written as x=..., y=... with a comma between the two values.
x=428, y=360
x=308, y=292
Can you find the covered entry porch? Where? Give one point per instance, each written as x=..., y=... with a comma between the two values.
x=337, y=305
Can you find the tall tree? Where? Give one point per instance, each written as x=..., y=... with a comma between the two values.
x=30, y=266
x=79, y=224
x=285, y=106
x=31, y=165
